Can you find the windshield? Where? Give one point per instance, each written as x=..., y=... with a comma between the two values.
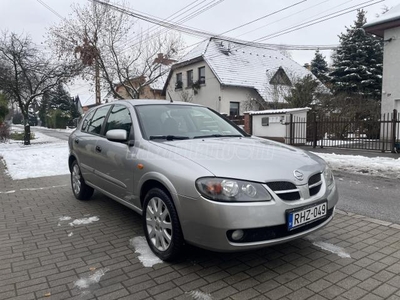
x=182, y=122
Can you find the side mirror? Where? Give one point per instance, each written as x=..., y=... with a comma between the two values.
x=117, y=135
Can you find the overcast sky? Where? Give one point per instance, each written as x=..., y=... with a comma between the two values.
x=31, y=17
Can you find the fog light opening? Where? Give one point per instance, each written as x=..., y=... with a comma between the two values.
x=237, y=235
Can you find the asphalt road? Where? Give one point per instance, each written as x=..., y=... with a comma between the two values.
x=370, y=196
x=53, y=133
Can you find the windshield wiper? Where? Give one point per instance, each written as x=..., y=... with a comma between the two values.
x=168, y=137
x=216, y=135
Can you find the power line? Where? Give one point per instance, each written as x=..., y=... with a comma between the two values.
x=318, y=20
x=178, y=27
x=291, y=15
x=50, y=9
x=263, y=17
x=326, y=17
x=154, y=27
x=180, y=21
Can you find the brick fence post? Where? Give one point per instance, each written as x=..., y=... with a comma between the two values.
x=248, y=123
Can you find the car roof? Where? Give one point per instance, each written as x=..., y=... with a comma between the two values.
x=136, y=102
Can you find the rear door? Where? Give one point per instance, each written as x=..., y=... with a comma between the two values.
x=90, y=140
x=81, y=146
x=114, y=162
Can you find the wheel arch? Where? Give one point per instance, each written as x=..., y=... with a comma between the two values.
x=71, y=159
x=153, y=179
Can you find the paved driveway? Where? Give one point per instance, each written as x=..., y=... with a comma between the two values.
x=39, y=258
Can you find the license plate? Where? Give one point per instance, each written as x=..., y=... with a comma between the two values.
x=306, y=215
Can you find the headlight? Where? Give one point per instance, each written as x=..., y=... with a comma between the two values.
x=328, y=175
x=223, y=189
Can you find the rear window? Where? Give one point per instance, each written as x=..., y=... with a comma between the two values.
x=97, y=121
x=86, y=120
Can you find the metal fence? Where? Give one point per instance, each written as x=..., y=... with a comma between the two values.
x=381, y=134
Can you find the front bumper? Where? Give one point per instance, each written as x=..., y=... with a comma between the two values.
x=205, y=223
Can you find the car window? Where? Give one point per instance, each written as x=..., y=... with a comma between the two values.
x=119, y=118
x=182, y=120
x=86, y=121
x=98, y=119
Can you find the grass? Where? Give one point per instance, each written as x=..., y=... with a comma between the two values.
x=19, y=136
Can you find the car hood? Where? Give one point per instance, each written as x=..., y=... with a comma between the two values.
x=247, y=158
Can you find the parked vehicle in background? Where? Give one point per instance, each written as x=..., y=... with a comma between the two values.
x=198, y=178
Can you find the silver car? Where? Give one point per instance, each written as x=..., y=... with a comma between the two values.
x=197, y=178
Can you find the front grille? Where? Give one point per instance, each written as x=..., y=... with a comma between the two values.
x=285, y=190
x=290, y=196
x=314, y=179
x=315, y=190
x=281, y=186
x=315, y=184
x=274, y=232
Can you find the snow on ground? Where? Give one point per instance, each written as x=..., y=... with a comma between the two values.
x=46, y=156
x=376, y=166
x=146, y=257
x=84, y=221
x=55, y=129
x=332, y=248
x=198, y=295
x=85, y=282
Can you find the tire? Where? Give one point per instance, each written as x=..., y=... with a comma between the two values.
x=80, y=189
x=161, y=225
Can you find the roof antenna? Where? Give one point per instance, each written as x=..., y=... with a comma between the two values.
x=170, y=98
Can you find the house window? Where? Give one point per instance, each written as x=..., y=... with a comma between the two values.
x=189, y=78
x=234, y=109
x=179, y=82
x=265, y=121
x=202, y=75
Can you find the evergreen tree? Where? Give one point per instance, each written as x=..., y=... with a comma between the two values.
x=319, y=67
x=57, y=100
x=357, y=62
x=303, y=92
x=3, y=108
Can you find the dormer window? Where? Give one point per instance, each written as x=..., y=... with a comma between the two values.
x=280, y=78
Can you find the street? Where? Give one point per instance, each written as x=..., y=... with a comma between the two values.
x=62, y=135
x=375, y=197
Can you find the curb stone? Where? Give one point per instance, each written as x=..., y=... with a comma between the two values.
x=368, y=219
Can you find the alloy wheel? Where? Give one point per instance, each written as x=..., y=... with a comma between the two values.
x=76, y=179
x=158, y=221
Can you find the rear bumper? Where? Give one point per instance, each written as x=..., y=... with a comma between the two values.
x=208, y=222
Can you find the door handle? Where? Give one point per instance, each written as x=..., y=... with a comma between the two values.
x=76, y=141
x=98, y=148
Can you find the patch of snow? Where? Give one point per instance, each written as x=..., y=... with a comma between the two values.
x=84, y=283
x=43, y=188
x=84, y=221
x=46, y=156
x=332, y=248
x=65, y=218
x=146, y=257
x=8, y=192
x=376, y=166
x=199, y=295
x=70, y=234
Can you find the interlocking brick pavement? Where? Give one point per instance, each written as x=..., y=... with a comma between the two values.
x=38, y=260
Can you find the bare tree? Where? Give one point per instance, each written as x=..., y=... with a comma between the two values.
x=98, y=34
x=27, y=73
x=186, y=96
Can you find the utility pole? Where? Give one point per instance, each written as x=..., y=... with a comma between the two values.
x=96, y=62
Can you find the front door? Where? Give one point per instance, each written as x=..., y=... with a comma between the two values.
x=114, y=163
